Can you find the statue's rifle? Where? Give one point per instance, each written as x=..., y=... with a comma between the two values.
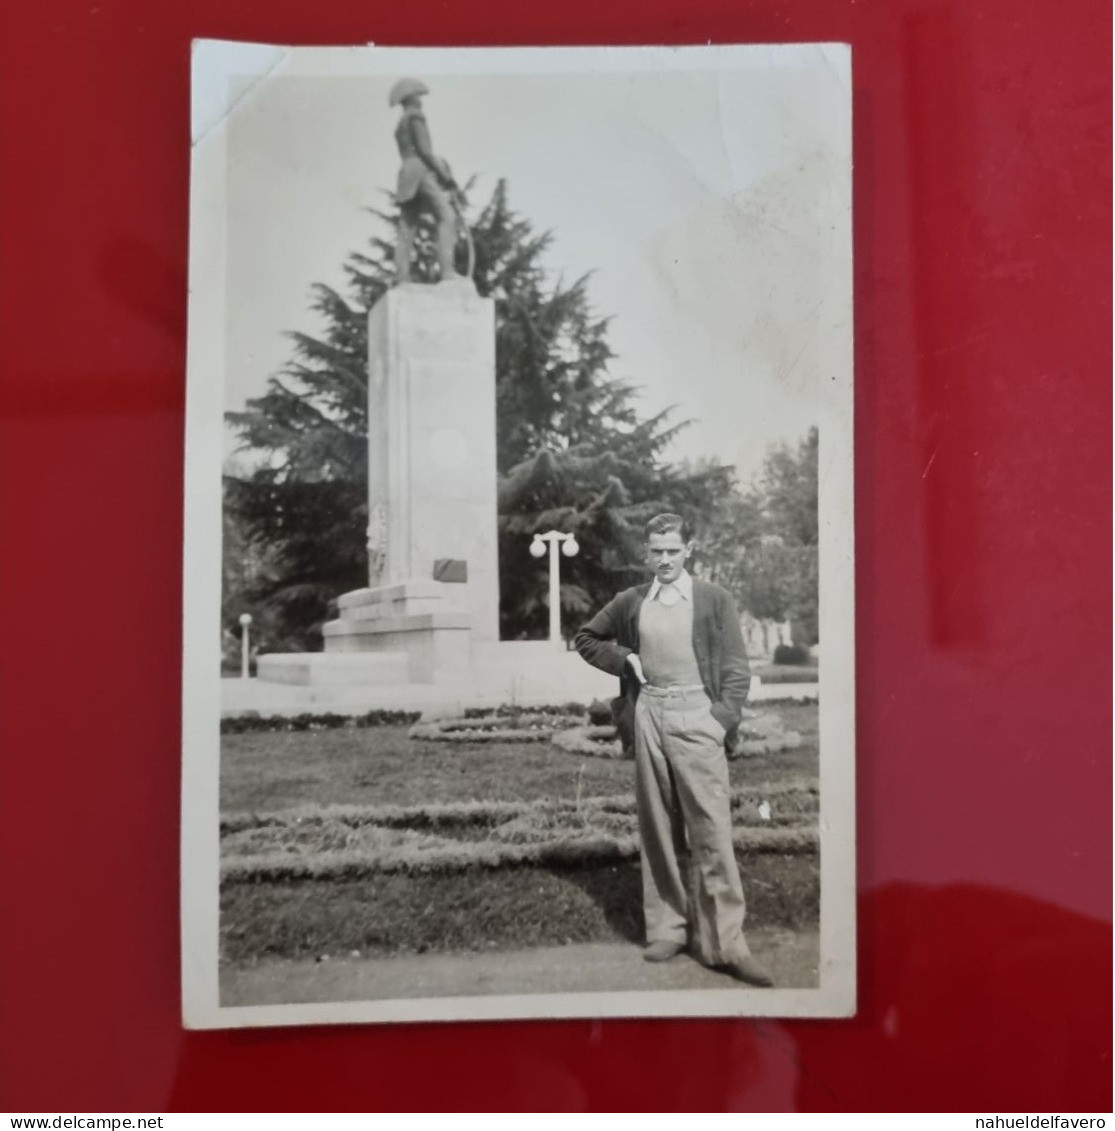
x=463, y=228
x=458, y=199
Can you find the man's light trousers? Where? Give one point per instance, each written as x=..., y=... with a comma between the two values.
x=691, y=885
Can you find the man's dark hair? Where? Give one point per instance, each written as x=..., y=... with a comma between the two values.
x=666, y=523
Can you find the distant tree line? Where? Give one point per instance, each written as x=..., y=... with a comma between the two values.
x=760, y=542
x=572, y=452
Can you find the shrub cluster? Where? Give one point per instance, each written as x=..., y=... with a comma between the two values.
x=526, y=726
x=791, y=654
x=253, y=723
x=513, y=710
x=789, y=673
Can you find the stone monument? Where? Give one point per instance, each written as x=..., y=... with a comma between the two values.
x=425, y=630
x=433, y=587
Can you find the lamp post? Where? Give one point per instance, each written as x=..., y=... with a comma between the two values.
x=245, y=647
x=569, y=547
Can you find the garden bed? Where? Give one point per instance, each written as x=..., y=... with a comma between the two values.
x=759, y=733
x=483, y=727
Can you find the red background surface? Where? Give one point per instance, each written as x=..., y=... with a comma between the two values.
x=982, y=235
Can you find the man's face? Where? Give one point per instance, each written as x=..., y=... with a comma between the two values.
x=667, y=555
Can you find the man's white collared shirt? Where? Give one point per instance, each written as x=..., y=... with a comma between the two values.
x=683, y=587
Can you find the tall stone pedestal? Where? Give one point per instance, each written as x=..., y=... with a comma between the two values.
x=432, y=444
x=432, y=544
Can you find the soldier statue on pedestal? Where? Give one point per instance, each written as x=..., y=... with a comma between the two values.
x=425, y=184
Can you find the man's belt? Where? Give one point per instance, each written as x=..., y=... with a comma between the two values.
x=674, y=689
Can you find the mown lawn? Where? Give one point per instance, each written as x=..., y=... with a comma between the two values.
x=503, y=908
x=380, y=766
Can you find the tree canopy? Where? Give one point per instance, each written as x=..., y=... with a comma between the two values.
x=761, y=543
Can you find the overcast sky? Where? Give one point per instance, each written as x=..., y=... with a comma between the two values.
x=710, y=205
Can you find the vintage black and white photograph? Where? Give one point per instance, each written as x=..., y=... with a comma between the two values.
x=518, y=627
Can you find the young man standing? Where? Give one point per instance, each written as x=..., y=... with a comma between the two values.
x=676, y=645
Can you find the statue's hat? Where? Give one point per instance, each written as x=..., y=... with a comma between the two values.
x=406, y=88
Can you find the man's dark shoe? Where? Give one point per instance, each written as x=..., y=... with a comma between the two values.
x=749, y=971
x=662, y=951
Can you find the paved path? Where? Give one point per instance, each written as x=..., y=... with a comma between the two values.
x=791, y=957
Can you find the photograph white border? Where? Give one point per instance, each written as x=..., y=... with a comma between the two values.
x=215, y=67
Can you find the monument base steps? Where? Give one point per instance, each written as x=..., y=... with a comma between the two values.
x=531, y=673
x=316, y=669
x=422, y=621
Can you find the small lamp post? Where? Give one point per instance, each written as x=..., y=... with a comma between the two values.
x=245, y=644
x=569, y=547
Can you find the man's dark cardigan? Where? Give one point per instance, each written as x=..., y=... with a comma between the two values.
x=613, y=634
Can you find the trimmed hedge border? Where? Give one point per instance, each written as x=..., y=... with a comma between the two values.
x=483, y=812
x=603, y=742
x=586, y=833
x=512, y=710
x=253, y=722
x=559, y=852
x=774, y=674
x=522, y=726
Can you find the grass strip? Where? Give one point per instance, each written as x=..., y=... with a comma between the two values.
x=452, y=857
x=448, y=814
